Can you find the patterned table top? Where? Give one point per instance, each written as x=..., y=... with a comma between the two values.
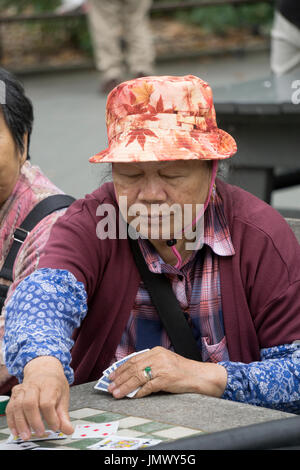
x=130, y=426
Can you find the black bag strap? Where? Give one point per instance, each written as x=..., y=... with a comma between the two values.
x=167, y=306
x=41, y=210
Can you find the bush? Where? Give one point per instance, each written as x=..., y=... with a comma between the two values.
x=214, y=19
x=219, y=19
x=37, y=6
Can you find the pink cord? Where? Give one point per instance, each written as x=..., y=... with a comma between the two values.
x=213, y=177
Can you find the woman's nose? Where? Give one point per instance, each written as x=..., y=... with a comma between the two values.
x=152, y=191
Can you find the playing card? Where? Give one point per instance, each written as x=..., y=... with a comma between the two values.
x=18, y=446
x=132, y=394
x=95, y=430
x=100, y=386
x=123, y=443
x=104, y=381
x=48, y=435
x=117, y=364
x=46, y=448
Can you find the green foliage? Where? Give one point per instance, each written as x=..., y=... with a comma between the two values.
x=213, y=19
x=38, y=6
x=75, y=30
x=218, y=19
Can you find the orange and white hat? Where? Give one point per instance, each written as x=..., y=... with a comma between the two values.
x=163, y=118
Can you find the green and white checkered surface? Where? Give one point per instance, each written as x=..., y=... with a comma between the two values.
x=129, y=426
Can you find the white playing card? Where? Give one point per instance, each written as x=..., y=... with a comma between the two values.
x=48, y=435
x=132, y=394
x=95, y=430
x=46, y=448
x=123, y=443
x=18, y=446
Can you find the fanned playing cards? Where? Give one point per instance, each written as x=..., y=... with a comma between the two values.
x=104, y=381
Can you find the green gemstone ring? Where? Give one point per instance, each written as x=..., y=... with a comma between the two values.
x=148, y=373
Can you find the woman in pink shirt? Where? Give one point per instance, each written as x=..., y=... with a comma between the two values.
x=22, y=187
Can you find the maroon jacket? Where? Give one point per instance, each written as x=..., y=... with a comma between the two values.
x=260, y=284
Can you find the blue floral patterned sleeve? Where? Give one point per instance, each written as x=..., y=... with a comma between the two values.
x=273, y=382
x=40, y=318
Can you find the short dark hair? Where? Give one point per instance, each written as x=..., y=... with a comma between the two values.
x=17, y=109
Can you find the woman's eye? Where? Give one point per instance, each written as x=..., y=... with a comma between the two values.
x=170, y=177
x=131, y=175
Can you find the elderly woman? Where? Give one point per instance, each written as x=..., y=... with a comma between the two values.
x=237, y=280
x=22, y=187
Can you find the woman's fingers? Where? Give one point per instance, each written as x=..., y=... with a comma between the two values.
x=14, y=415
x=43, y=396
x=126, y=380
x=63, y=414
x=29, y=406
x=23, y=412
x=132, y=375
x=48, y=407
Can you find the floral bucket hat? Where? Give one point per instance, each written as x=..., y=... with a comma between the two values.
x=163, y=118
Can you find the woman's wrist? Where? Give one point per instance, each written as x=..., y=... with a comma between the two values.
x=42, y=364
x=211, y=379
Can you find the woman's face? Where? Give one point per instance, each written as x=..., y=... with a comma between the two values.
x=167, y=193
x=11, y=161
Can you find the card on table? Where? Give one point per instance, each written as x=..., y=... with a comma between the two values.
x=95, y=430
x=123, y=443
x=48, y=435
x=27, y=445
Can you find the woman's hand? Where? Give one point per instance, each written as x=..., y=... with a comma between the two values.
x=170, y=373
x=44, y=393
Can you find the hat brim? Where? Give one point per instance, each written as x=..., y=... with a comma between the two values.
x=144, y=145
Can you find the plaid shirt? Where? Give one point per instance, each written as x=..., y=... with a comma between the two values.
x=197, y=288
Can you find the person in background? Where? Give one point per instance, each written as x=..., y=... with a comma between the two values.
x=285, y=37
x=22, y=187
x=121, y=38
x=86, y=305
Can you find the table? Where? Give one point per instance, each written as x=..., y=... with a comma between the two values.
x=161, y=416
x=264, y=118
